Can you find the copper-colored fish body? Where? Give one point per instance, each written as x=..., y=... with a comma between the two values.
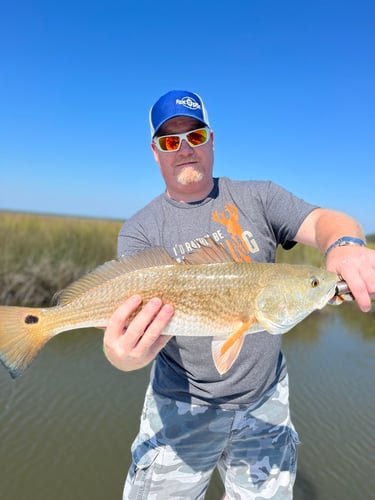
x=212, y=296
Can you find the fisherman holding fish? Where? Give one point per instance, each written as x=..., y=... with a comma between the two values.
x=206, y=303
x=195, y=418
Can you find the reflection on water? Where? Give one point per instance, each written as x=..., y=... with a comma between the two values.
x=67, y=424
x=333, y=404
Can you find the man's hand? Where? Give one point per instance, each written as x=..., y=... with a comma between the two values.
x=357, y=266
x=130, y=345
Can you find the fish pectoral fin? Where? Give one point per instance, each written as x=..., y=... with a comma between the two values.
x=225, y=352
x=223, y=362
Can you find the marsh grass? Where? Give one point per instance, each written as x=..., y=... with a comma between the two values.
x=41, y=254
x=300, y=254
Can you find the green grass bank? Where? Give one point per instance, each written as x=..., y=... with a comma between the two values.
x=41, y=254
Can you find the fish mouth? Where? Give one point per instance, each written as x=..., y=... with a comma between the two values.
x=342, y=293
x=329, y=295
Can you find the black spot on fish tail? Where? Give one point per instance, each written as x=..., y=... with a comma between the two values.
x=30, y=319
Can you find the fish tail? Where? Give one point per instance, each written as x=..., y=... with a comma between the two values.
x=22, y=335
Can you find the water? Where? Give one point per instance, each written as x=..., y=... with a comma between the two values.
x=67, y=424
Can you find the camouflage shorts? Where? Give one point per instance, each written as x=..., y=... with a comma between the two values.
x=179, y=445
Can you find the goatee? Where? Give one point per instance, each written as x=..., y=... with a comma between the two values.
x=189, y=175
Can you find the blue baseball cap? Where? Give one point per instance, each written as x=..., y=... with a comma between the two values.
x=177, y=103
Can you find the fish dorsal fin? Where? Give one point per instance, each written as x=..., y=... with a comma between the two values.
x=213, y=253
x=151, y=257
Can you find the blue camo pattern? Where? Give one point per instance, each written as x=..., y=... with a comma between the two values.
x=179, y=445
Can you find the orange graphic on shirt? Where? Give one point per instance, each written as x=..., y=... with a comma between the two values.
x=237, y=245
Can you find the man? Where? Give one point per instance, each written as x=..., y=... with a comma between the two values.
x=195, y=419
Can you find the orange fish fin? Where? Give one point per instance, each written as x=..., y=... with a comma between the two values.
x=238, y=334
x=223, y=362
x=21, y=337
x=225, y=352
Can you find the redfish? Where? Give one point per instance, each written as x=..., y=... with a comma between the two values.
x=212, y=296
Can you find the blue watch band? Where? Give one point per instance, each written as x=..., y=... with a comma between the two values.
x=345, y=240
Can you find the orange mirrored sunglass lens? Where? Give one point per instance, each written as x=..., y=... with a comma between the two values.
x=169, y=143
x=197, y=137
x=173, y=142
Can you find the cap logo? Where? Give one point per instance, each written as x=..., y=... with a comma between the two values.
x=189, y=103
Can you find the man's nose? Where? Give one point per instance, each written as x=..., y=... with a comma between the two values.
x=185, y=146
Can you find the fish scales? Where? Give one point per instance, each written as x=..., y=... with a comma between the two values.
x=212, y=296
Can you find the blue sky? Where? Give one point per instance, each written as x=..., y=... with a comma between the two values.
x=289, y=87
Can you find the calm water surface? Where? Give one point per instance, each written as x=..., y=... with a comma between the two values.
x=67, y=424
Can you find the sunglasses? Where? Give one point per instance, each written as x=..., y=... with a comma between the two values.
x=169, y=143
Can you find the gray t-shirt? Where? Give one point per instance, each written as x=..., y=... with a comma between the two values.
x=250, y=218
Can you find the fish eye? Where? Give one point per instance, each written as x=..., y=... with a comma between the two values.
x=314, y=282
